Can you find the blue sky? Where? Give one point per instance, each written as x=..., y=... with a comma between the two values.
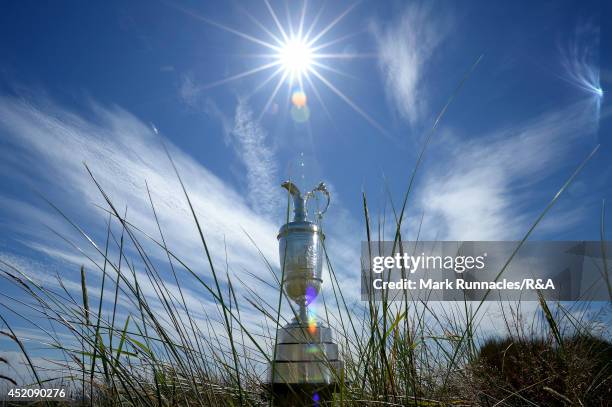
x=108, y=83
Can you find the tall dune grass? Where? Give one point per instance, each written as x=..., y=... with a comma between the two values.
x=154, y=348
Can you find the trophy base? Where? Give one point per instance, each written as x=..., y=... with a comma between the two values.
x=305, y=354
x=311, y=395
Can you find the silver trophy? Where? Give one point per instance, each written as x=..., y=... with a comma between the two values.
x=306, y=358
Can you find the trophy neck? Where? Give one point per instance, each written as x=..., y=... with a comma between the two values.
x=299, y=208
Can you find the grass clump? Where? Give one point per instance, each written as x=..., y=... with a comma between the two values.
x=523, y=371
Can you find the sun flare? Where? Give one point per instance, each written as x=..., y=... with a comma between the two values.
x=295, y=56
x=299, y=55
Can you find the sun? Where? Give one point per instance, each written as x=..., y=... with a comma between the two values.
x=296, y=57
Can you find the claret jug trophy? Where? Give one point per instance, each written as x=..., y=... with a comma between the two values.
x=306, y=365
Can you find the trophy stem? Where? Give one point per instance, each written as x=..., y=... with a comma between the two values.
x=303, y=313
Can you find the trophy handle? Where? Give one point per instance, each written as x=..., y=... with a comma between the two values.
x=323, y=189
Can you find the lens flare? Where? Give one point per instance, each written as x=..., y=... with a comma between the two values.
x=300, y=114
x=313, y=349
x=298, y=98
x=311, y=294
x=312, y=326
x=312, y=323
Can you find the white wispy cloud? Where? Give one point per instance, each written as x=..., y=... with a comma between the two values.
x=189, y=92
x=405, y=48
x=480, y=189
x=122, y=153
x=580, y=59
x=251, y=144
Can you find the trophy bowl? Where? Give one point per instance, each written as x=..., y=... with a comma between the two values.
x=301, y=257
